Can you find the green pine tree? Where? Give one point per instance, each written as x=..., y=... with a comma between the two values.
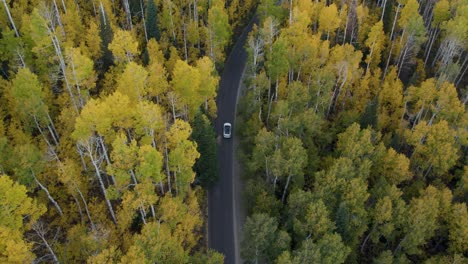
x=206, y=166
x=152, y=28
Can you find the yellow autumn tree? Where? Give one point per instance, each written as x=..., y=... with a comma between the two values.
x=18, y=213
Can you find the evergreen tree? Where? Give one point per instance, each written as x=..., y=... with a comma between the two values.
x=206, y=166
x=151, y=23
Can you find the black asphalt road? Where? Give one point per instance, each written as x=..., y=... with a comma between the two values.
x=221, y=201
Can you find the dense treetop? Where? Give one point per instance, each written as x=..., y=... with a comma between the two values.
x=105, y=127
x=354, y=132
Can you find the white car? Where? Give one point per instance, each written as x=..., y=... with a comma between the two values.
x=227, y=128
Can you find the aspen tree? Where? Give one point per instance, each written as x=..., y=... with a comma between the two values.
x=16, y=207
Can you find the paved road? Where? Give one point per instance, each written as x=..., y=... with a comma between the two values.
x=222, y=197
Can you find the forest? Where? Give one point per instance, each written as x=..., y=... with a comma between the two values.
x=353, y=132
x=106, y=136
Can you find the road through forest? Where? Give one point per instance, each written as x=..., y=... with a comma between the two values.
x=223, y=198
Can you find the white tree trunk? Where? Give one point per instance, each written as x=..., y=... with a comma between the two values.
x=59, y=209
x=393, y=42
x=86, y=207
x=103, y=188
x=41, y=231
x=285, y=189
x=144, y=22
x=126, y=7
x=89, y=147
x=10, y=18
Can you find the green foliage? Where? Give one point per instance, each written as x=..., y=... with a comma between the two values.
x=262, y=239
x=206, y=166
x=311, y=76
x=435, y=147
x=152, y=27
x=104, y=138
x=268, y=8
x=219, y=30
x=277, y=63
x=28, y=98
x=85, y=125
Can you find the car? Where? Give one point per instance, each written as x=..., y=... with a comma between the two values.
x=227, y=128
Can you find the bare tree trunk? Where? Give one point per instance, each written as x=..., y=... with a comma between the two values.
x=339, y=91
x=94, y=8
x=83, y=163
x=53, y=127
x=52, y=134
x=346, y=29
x=143, y=20
x=80, y=211
x=277, y=86
x=126, y=7
x=103, y=188
x=132, y=173
x=142, y=211
x=417, y=118
x=59, y=20
x=106, y=156
x=58, y=51
x=86, y=207
x=401, y=42
x=393, y=42
x=270, y=102
x=21, y=57
x=143, y=215
x=48, y=194
x=403, y=59
x=89, y=146
x=290, y=12
x=10, y=18
x=336, y=94
x=211, y=45
x=104, y=19
x=437, y=108
x=285, y=189
x=41, y=232
x=370, y=57
x=78, y=90
x=463, y=69
x=65, y=7
x=153, y=213
x=42, y=132
x=166, y=161
x=185, y=42
x=368, y=235
x=432, y=38
x=383, y=9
